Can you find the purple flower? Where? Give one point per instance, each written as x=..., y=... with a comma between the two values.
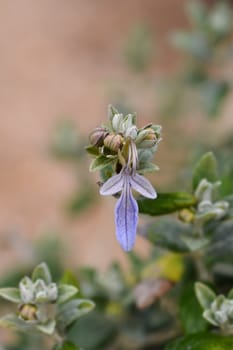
x=126, y=210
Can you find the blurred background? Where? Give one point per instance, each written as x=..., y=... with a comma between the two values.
x=62, y=62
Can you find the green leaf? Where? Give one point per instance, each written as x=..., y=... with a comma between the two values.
x=204, y=294
x=69, y=278
x=47, y=328
x=230, y=294
x=65, y=292
x=100, y=163
x=148, y=168
x=193, y=43
x=139, y=48
x=195, y=243
x=71, y=311
x=66, y=346
x=82, y=199
x=191, y=312
x=209, y=316
x=93, y=332
x=42, y=272
x=167, y=233
x=11, y=294
x=166, y=203
x=206, y=168
x=213, y=95
x=202, y=341
x=92, y=150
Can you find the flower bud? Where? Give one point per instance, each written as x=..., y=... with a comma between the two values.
x=146, y=138
x=52, y=292
x=28, y=312
x=26, y=289
x=40, y=291
x=186, y=215
x=113, y=142
x=97, y=136
x=117, y=122
x=131, y=132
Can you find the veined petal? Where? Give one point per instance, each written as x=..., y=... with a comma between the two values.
x=112, y=185
x=126, y=218
x=143, y=186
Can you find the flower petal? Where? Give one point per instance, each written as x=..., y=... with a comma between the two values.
x=140, y=184
x=126, y=218
x=112, y=185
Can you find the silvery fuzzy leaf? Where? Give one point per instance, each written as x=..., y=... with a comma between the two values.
x=26, y=289
x=112, y=185
x=47, y=328
x=218, y=302
x=11, y=294
x=209, y=316
x=42, y=272
x=143, y=186
x=157, y=129
x=195, y=243
x=126, y=218
x=65, y=292
x=145, y=155
x=205, y=295
x=147, y=168
x=13, y=322
x=71, y=311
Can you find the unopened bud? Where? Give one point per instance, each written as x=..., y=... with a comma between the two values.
x=186, y=215
x=146, y=138
x=26, y=289
x=28, y=312
x=40, y=290
x=220, y=317
x=131, y=132
x=113, y=142
x=97, y=136
x=52, y=292
x=117, y=122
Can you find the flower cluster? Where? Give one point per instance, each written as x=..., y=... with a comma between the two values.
x=43, y=305
x=123, y=152
x=207, y=207
x=218, y=309
x=220, y=312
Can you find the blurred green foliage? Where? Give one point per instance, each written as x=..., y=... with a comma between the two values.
x=69, y=146
x=207, y=49
x=138, y=51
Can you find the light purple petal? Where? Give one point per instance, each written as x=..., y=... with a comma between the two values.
x=112, y=185
x=126, y=218
x=140, y=184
